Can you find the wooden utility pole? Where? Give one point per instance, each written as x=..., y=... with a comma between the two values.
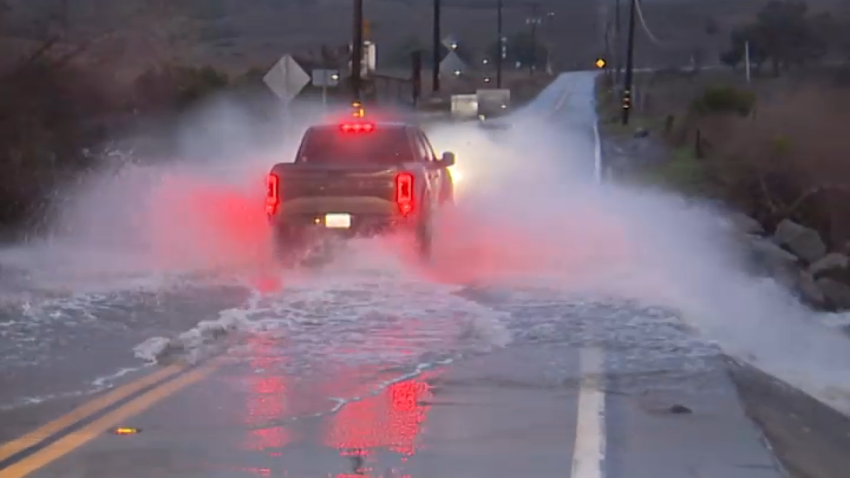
x=534, y=20
x=416, y=75
x=437, y=46
x=500, y=44
x=357, y=50
x=618, y=43
x=630, y=65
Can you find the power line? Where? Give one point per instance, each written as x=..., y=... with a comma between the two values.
x=630, y=54
x=627, y=83
x=646, y=29
x=357, y=50
x=618, y=42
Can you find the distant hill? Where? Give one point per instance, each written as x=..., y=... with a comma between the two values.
x=239, y=34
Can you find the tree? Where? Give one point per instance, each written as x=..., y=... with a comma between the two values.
x=787, y=33
x=833, y=32
x=521, y=48
x=739, y=39
x=782, y=33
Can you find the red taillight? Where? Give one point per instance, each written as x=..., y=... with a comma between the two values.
x=404, y=193
x=357, y=127
x=272, y=193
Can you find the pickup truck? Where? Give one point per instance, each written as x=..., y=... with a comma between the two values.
x=493, y=105
x=358, y=178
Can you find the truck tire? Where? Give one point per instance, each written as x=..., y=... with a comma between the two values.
x=424, y=237
x=424, y=243
x=286, y=246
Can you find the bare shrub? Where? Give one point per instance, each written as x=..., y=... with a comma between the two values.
x=48, y=113
x=53, y=107
x=169, y=86
x=790, y=159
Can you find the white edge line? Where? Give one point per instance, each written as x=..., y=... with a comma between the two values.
x=589, y=448
x=590, y=441
x=597, y=146
x=597, y=154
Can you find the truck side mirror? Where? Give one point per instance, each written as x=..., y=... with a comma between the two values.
x=447, y=160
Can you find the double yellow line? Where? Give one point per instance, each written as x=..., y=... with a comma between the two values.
x=161, y=384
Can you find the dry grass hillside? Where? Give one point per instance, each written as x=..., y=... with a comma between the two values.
x=773, y=148
x=681, y=27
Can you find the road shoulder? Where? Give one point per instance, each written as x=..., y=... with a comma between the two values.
x=809, y=438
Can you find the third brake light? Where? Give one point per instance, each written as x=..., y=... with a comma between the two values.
x=359, y=127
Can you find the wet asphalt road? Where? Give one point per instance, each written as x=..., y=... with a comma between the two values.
x=367, y=376
x=504, y=414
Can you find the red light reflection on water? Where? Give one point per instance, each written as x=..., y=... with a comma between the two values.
x=392, y=419
x=267, y=400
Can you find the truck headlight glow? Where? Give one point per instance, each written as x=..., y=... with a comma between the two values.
x=457, y=175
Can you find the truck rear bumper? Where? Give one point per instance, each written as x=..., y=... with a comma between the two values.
x=345, y=216
x=339, y=224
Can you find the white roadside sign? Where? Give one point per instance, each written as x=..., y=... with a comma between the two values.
x=286, y=78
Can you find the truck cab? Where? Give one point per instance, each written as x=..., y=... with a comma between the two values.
x=359, y=177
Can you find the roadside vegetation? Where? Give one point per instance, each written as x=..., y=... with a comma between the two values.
x=54, y=111
x=774, y=147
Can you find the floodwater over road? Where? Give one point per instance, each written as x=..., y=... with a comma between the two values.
x=543, y=340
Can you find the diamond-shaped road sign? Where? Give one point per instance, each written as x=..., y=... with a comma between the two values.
x=286, y=78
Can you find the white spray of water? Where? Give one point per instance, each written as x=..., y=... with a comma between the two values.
x=543, y=214
x=197, y=208
x=528, y=208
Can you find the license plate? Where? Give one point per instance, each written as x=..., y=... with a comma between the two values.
x=338, y=221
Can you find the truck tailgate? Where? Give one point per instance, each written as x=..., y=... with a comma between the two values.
x=306, y=181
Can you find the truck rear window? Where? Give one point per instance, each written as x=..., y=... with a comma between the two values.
x=329, y=145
